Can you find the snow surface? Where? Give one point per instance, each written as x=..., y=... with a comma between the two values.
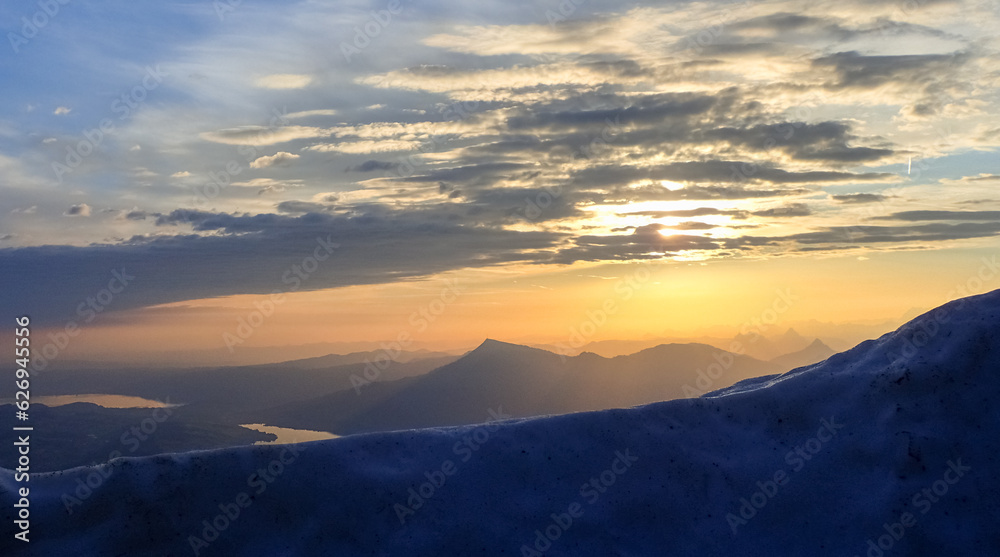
x=910, y=411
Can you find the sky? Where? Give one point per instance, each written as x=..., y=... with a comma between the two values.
x=223, y=175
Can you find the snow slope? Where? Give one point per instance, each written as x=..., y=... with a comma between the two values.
x=894, y=442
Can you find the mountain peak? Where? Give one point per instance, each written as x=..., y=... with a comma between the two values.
x=958, y=335
x=498, y=348
x=492, y=344
x=818, y=344
x=791, y=334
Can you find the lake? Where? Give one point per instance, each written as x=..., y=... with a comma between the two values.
x=107, y=401
x=288, y=435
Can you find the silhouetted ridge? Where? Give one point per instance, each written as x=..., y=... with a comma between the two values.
x=891, y=443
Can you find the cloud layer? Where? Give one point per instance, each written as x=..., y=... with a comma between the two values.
x=613, y=132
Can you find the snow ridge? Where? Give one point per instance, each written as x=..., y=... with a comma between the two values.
x=889, y=448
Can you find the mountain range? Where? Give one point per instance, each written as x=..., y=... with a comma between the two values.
x=378, y=391
x=886, y=449
x=524, y=382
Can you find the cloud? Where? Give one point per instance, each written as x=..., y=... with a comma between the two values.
x=792, y=210
x=281, y=158
x=981, y=178
x=372, y=165
x=482, y=174
x=720, y=171
x=367, y=147
x=647, y=110
x=262, y=135
x=942, y=215
x=645, y=242
x=373, y=248
x=283, y=81
x=137, y=215
x=855, y=70
x=25, y=211
x=62, y=111
x=81, y=210
x=625, y=194
x=823, y=141
x=181, y=174
x=867, y=235
x=699, y=212
x=857, y=198
x=691, y=225
x=489, y=84
x=266, y=185
x=514, y=204
x=300, y=207
x=783, y=22
x=597, y=30
x=311, y=113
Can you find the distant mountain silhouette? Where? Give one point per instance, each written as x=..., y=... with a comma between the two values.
x=758, y=344
x=233, y=394
x=767, y=348
x=333, y=360
x=524, y=381
x=814, y=353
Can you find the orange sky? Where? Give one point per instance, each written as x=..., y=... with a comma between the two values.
x=536, y=304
